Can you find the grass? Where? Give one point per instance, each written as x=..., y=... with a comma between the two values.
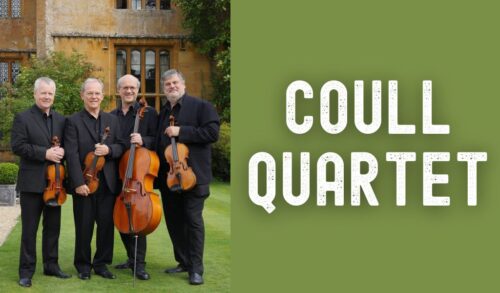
x=158, y=257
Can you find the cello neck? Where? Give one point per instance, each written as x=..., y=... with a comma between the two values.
x=131, y=156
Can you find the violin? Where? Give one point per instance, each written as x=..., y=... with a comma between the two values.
x=138, y=209
x=93, y=165
x=180, y=177
x=54, y=194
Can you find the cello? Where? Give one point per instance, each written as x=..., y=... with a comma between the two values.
x=54, y=194
x=180, y=177
x=93, y=165
x=138, y=209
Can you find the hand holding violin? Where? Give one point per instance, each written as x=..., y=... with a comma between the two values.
x=54, y=154
x=83, y=190
x=101, y=149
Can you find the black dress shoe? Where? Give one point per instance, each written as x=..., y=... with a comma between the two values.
x=177, y=269
x=25, y=282
x=105, y=274
x=84, y=276
x=57, y=273
x=142, y=275
x=195, y=279
x=125, y=265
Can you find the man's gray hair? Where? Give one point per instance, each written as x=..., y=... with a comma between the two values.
x=171, y=72
x=44, y=79
x=120, y=80
x=90, y=80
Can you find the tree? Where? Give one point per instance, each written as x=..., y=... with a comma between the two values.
x=68, y=72
x=209, y=22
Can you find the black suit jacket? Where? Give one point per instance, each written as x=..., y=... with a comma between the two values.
x=30, y=140
x=199, y=127
x=80, y=139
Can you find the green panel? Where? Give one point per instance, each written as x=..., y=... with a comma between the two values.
x=386, y=248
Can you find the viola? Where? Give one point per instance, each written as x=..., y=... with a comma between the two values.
x=54, y=194
x=180, y=177
x=138, y=209
x=93, y=165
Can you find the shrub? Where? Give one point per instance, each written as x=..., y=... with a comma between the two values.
x=221, y=154
x=8, y=173
x=68, y=72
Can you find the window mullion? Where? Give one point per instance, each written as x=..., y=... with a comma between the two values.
x=157, y=76
x=128, y=60
x=9, y=71
x=143, y=70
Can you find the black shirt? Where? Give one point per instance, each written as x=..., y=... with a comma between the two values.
x=95, y=123
x=165, y=139
x=147, y=125
x=127, y=120
x=47, y=118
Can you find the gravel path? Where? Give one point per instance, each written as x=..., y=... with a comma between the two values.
x=9, y=215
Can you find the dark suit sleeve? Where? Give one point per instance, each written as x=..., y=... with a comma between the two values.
x=149, y=137
x=116, y=148
x=208, y=129
x=20, y=145
x=72, y=156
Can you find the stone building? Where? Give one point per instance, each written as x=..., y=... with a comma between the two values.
x=140, y=37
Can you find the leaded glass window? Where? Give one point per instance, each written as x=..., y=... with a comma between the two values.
x=150, y=71
x=135, y=64
x=136, y=4
x=164, y=61
x=16, y=8
x=121, y=4
x=4, y=8
x=121, y=64
x=16, y=69
x=164, y=4
x=151, y=4
x=4, y=72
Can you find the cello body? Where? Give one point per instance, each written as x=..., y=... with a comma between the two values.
x=137, y=193
x=138, y=209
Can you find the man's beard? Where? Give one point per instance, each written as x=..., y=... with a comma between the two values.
x=173, y=99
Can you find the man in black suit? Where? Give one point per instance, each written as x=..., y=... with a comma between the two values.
x=83, y=135
x=31, y=140
x=128, y=88
x=198, y=127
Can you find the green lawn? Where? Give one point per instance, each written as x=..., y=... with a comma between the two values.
x=159, y=256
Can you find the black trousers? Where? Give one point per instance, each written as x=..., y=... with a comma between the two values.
x=184, y=218
x=32, y=207
x=95, y=208
x=129, y=243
